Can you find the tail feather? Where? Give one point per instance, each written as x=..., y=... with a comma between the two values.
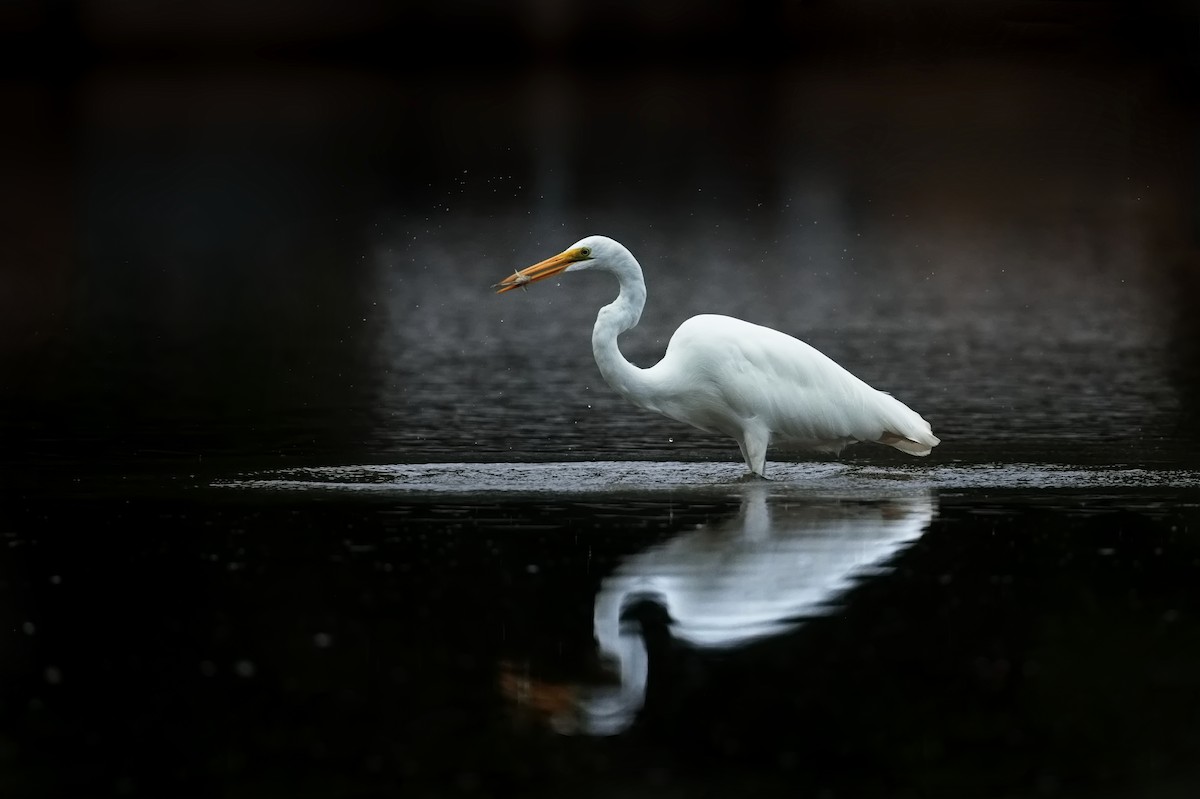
x=909, y=445
x=907, y=430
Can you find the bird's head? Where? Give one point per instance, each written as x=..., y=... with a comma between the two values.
x=588, y=253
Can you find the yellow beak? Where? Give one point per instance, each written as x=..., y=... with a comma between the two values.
x=539, y=271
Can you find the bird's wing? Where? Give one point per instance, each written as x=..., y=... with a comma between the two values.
x=796, y=391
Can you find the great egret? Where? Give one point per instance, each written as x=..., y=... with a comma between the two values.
x=724, y=375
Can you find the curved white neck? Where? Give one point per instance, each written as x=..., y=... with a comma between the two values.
x=614, y=319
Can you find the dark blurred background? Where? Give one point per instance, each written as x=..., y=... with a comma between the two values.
x=243, y=236
x=261, y=229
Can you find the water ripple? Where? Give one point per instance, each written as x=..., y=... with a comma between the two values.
x=635, y=476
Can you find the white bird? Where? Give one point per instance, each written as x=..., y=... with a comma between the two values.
x=724, y=375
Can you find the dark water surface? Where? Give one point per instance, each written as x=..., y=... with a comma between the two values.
x=862, y=635
x=296, y=507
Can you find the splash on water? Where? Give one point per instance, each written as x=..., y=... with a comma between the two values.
x=643, y=476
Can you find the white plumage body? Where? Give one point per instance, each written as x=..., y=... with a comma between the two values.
x=725, y=375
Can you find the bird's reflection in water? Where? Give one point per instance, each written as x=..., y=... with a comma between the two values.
x=725, y=585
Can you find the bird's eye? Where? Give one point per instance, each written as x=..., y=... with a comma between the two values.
x=586, y=252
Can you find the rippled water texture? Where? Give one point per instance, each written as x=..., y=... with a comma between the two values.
x=617, y=478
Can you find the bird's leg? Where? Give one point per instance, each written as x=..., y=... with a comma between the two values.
x=753, y=444
x=756, y=449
